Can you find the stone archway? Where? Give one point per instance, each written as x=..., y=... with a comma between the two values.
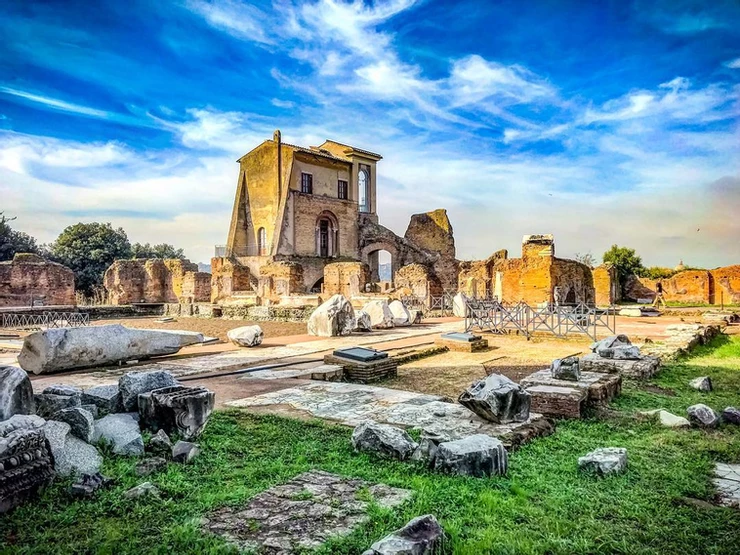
x=371, y=256
x=327, y=235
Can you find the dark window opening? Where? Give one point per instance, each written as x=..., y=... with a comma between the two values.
x=343, y=189
x=307, y=183
x=324, y=238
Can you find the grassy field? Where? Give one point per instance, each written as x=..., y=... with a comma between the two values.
x=543, y=506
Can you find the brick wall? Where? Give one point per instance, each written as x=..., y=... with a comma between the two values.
x=29, y=278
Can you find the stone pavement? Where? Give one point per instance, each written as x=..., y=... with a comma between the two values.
x=727, y=481
x=302, y=513
x=350, y=404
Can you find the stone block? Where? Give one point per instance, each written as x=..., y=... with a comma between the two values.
x=641, y=369
x=16, y=393
x=702, y=416
x=133, y=384
x=604, y=461
x=106, y=397
x=401, y=314
x=181, y=410
x=380, y=314
x=71, y=455
x=383, y=440
x=497, y=399
x=48, y=404
x=184, y=452
x=566, y=369
x=363, y=321
x=81, y=422
x=421, y=536
x=160, y=444
x=702, y=383
x=477, y=455
x=335, y=317
x=731, y=415
x=246, y=336
x=122, y=432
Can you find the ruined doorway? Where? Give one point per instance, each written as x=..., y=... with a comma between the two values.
x=570, y=298
x=381, y=266
x=324, y=238
x=327, y=235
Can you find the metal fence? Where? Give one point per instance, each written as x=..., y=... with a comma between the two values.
x=561, y=321
x=44, y=320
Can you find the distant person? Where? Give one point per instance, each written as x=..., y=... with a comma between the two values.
x=556, y=296
x=659, y=295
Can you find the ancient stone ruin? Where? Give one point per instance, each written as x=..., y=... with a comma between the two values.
x=156, y=281
x=30, y=280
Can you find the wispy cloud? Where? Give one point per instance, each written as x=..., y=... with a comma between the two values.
x=239, y=19
x=55, y=104
x=733, y=64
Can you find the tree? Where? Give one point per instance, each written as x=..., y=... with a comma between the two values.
x=12, y=241
x=88, y=249
x=163, y=250
x=625, y=260
x=586, y=258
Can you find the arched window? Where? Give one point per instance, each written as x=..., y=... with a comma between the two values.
x=363, y=182
x=327, y=235
x=261, y=242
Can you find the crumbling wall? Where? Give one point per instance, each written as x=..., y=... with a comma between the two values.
x=150, y=280
x=418, y=280
x=29, y=278
x=228, y=277
x=280, y=278
x=574, y=281
x=726, y=285
x=690, y=286
x=346, y=278
x=196, y=287
x=606, y=285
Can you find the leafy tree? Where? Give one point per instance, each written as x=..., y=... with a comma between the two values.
x=12, y=241
x=586, y=258
x=625, y=260
x=162, y=250
x=88, y=249
x=656, y=272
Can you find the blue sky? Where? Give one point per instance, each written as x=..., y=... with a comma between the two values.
x=601, y=122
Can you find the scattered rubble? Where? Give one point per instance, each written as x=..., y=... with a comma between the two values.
x=150, y=466
x=16, y=393
x=106, y=397
x=87, y=484
x=702, y=383
x=133, y=384
x=702, y=416
x=383, y=440
x=604, y=461
x=160, y=444
x=71, y=455
x=421, y=536
x=497, y=399
x=184, y=452
x=81, y=422
x=478, y=455
x=246, y=336
x=731, y=415
x=334, y=318
x=146, y=489
x=122, y=432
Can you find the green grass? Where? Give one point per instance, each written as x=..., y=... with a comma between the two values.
x=543, y=506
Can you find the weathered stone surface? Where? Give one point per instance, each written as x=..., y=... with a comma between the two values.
x=727, y=481
x=106, y=397
x=604, y=461
x=186, y=337
x=363, y=321
x=731, y=415
x=87, y=484
x=622, y=352
x=16, y=393
x=184, y=452
x=702, y=416
x=563, y=402
x=26, y=462
x=179, y=409
x=380, y=314
x=246, y=336
x=383, y=440
x=702, y=383
x=21, y=421
x=160, y=444
x=301, y=514
x=133, y=384
x=71, y=455
x=155, y=280
x=421, y=536
x=92, y=409
x=459, y=305
x=29, y=276
x=670, y=420
x=478, y=455
x=49, y=403
x=498, y=399
x=63, y=389
x=150, y=466
x=334, y=318
x=642, y=368
x=566, y=369
x=81, y=422
x=122, y=432
x=610, y=342
x=401, y=314
x=59, y=349
x=147, y=489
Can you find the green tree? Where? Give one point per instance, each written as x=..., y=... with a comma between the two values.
x=163, y=250
x=88, y=249
x=12, y=241
x=625, y=260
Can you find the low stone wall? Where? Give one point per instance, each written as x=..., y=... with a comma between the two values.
x=263, y=313
x=683, y=338
x=197, y=310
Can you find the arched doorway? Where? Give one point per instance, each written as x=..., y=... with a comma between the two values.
x=363, y=190
x=327, y=235
x=318, y=287
x=382, y=259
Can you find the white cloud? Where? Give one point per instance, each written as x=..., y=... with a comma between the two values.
x=733, y=64
x=56, y=104
x=239, y=19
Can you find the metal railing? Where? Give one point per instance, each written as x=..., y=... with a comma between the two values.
x=561, y=321
x=44, y=321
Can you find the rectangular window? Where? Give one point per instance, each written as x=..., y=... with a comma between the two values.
x=343, y=189
x=307, y=183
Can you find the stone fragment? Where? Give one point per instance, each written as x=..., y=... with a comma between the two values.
x=642, y=368
x=150, y=466
x=362, y=321
x=16, y=393
x=604, y=461
x=58, y=349
x=702, y=416
x=702, y=383
x=147, y=489
x=106, y=397
x=670, y=420
x=383, y=440
x=160, y=444
x=63, y=389
x=71, y=455
x=610, y=342
x=122, y=432
x=459, y=305
x=49, y=403
x=566, y=369
x=26, y=462
x=184, y=452
x=19, y=421
x=401, y=314
x=80, y=421
x=380, y=314
x=334, y=318
x=87, y=484
x=421, y=536
x=622, y=352
x=179, y=409
x=415, y=316
x=246, y=336
x=477, y=455
x=731, y=415
x=133, y=384
x=92, y=409
x=497, y=399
